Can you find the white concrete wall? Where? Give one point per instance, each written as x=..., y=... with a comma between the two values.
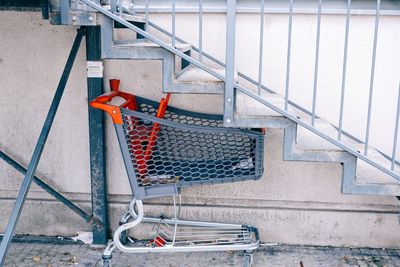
x=296, y=203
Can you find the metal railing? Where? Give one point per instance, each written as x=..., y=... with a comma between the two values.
x=231, y=85
x=231, y=10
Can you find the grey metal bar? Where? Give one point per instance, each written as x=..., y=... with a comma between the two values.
x=113, y=5
x=396, y=131
x=47, y=188
x=173, y=22
x=97, y=143
x=346, y=44
x=146, y=2
x=64, y=12
x=44, y=5
x=201, y=30
x=230, y=62
x=12, y=223
x=371, y=83
x=289, y=52
x=261, y=52
x=314, y=101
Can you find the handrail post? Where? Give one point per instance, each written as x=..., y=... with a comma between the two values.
x=230, y=62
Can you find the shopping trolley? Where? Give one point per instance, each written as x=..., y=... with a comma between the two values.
x=166, y=149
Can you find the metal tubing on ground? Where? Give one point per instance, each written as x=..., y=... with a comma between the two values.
x=47, y=188
x=16, y=212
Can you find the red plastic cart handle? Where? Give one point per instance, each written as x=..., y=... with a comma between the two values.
x=100, y=102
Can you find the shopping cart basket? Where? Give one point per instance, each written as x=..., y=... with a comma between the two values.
x=166, y=149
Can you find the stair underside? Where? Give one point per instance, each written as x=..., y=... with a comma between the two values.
x=307, y=146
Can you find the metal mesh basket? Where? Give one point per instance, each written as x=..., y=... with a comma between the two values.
x=184, y=149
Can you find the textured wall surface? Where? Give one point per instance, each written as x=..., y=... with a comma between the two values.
x=294, y=202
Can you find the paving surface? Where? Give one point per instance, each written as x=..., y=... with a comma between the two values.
x=38, y=254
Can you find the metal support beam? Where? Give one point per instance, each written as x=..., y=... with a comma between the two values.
x=47, y=188
x=230, y=63
x=44, y=4
x=16, y=212
x=97, y=139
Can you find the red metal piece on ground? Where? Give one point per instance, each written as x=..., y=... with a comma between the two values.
x=158, y=242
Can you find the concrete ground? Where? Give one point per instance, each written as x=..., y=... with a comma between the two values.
x=46, y=255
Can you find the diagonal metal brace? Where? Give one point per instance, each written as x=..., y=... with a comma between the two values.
x=12, y=223
x=47, y=188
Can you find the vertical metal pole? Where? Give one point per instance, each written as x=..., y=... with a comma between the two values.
x=371, y=83
x=260, y=62
x=45, y=9
x=314, y=102
x=147, y=15
x=289, y=51
x=201, y=30
x=173, y=22
x=97, y=141
x=396, y=131
x=230, y=62
x=113, y=5
x=346, y=44
x=64, y=12
x=37, y=153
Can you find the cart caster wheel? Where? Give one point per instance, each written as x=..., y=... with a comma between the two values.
x=106, y=261
x=248, y=259
x=107, y=254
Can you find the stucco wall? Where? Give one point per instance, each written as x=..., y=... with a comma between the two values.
x=294, y=202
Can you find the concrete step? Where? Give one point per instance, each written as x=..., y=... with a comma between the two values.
x=366, y=179
x=300, y=144
x=134, y=18
x=140, y=49
x=143, y=43
x=193, y=80
x=371, y=181
x=309, y=141
x=251, y=113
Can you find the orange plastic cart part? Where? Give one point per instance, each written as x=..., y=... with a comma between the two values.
x=100, y=102
x=142, y=147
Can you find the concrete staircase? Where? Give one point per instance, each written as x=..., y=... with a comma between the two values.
x=303, y=140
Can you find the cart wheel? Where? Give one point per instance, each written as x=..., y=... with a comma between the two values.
x=248, y=259
x=106, y=261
